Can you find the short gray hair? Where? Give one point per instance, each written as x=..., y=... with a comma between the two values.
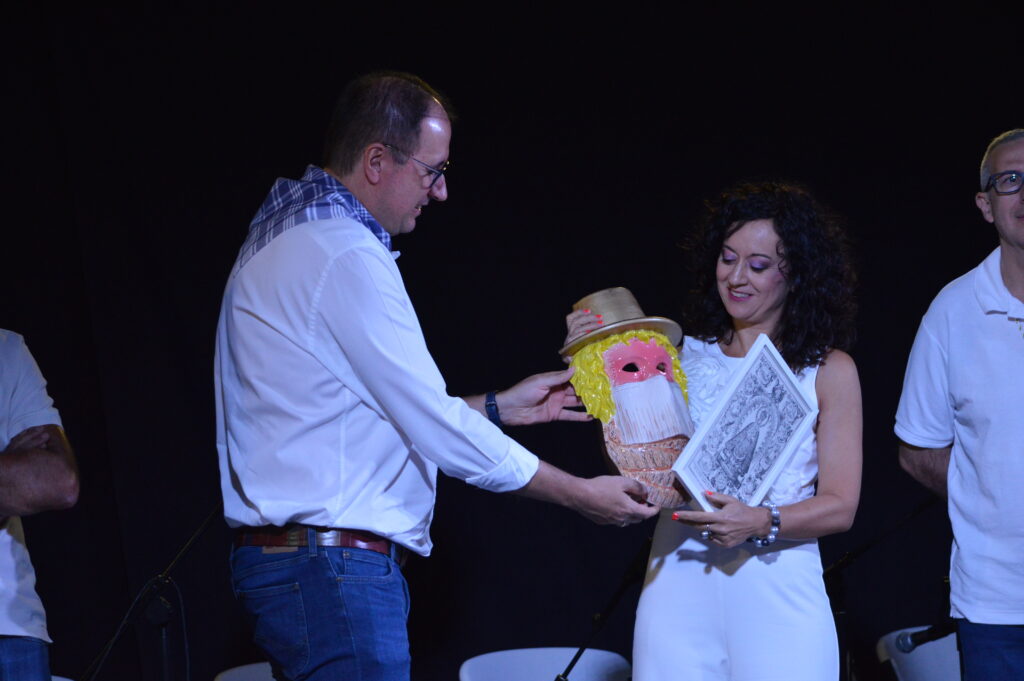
x=1005, y=138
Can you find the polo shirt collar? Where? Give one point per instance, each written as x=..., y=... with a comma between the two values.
x=991, y=292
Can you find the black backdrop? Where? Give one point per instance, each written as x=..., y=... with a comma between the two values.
x=139, y=144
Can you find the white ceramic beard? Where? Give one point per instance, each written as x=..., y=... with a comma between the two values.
x=651, y=410
x=648, y=432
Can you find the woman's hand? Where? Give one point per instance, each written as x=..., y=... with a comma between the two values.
x=732, y=524
x=579, y=323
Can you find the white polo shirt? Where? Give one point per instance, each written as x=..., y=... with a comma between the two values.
x=965, y=385
x=330, y=409
x=23, y=403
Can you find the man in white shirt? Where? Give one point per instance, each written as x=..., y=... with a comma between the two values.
x=332, y=416
x=961, y=424
x=37, y=473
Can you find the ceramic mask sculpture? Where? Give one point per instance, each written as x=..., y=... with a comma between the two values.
x=632, y=382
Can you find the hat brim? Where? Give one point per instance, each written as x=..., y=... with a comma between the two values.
x=660, y=324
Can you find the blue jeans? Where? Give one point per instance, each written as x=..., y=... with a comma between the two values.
x=990, y=651
x=325, y=612
x=23, y=658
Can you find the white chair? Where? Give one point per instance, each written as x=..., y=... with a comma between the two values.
x=544, y=664
x=933, y=661
x=259, y=671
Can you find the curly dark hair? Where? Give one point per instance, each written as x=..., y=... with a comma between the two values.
x=820, y=308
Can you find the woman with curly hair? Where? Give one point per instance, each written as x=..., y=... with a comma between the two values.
x=737, y=594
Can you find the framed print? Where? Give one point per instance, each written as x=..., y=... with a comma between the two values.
x=750, y=434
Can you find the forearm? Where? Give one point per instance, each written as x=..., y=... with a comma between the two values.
x=734, y=522
x=36, y=480
x=476, y=402
x=606, y=500
x=37, y=472
x=553, y=485
x=929, y=467
x=819, y=516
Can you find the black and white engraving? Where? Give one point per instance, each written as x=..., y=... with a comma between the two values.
x=751, y=432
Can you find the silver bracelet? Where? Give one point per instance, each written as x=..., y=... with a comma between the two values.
x=773, y=532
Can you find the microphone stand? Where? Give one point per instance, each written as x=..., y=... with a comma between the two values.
x=634, y=573
x=907, y=642
x=158, y=610
x=833, y=577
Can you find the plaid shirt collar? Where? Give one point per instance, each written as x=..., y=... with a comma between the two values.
x=317, y=196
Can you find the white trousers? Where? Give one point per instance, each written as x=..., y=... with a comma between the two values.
x=741, y=614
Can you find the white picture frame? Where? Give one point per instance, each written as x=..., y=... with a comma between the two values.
x=750, y=434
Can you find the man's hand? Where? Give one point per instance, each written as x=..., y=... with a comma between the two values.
x=613, y=500
x=606, y=500
x=539, y=399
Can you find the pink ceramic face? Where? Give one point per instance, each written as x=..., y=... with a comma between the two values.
x=637, y=361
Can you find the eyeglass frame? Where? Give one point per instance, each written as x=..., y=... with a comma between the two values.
x=438, y=173
x=992, y=179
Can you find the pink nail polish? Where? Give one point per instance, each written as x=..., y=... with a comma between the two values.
x=587, y=311
x=675, y=516
x=708, y=492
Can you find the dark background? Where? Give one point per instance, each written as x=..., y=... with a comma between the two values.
x=138, y=145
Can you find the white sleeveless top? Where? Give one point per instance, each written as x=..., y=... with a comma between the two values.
x=708, y=371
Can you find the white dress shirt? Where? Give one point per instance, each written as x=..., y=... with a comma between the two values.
x=330, y=410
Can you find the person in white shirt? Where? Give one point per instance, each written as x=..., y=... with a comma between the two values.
x=37, y=473
x=961, y=429
x=332, y=417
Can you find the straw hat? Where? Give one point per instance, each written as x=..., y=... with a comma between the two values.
x=620, y=312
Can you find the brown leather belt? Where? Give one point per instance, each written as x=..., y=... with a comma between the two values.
x=298, y=535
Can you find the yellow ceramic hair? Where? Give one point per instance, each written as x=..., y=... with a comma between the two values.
x=591, y=382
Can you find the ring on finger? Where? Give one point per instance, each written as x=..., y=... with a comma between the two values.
x=706, y=533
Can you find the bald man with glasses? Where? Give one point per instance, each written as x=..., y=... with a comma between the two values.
x=961, y=424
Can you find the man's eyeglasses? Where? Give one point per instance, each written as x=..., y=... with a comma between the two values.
x=1007, y=182
x=435, y=174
